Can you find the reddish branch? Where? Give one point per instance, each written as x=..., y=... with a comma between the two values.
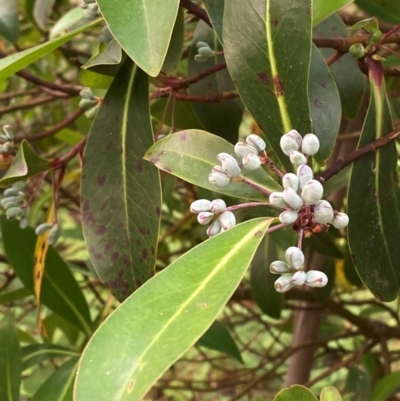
x=27, y=105
x=64, y=160
x=195, y=10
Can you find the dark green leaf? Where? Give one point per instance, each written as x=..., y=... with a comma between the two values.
x=121, y=199
x=95, y=80
x=26, y=163
x=175, y=307
x=215, y=11
x=267, y=46
x=60, y=291
x=386, y=10
x=325, y=105
x=135, y=26
x=191, y=155
x=10, y=360
x=14, y=295
x=9, y=24
x=52, y=321
x=386, y=387
x=373, y=205
x=174, y=53
x=223, y=118
x=58, y=386
x=218, y=338
x=295, y=393
x=106, y=54
x=358, y=384
x=323, y=9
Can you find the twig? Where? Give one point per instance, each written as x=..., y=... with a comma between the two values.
x=27, y=105
x=195, y=10
x=64, y=160
x=334, y=57
x=215, y=98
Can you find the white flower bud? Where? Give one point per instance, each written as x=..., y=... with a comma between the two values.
x=205, y=218
x=288, y=144
x=42, y=228
x=200, y=205
x=214, y=228
x=54, y=234
x=323, y=212
x=242, y=149
x=304, y=174
x=340, y=220
x=251, y=162
x=315, y=278
x=312, y=192
x=297, y=158
x=257, y=142
x=288, y=217
x=292, y=199
x=227, y=220
x=299, y=278
x=218, y=177
x=279, y=267
x=295, y=257
x=217, y=206
x=276, y=199
x=229, y=164
x=310, y=144
x=296, y=136
x=8, y=132
x=283, y=284
x=290, y=180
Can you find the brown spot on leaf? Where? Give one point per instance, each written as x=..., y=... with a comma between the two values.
x=101, y=230
x=139, y=166
x=126, y=262
x=275, y=22
x=85, y=206
x=142, y=230
x=138, y=242
x=114, y=256
x=97, y=256
x=264, y=78
x=322, y=84
x=101, y=180
x=103, y=205
x=166, y=169
x=152, y=250
x=317, y=103
x=143, y=255
x=279, y=86
x=158, y=211
x=353, y=258
x=108, y=246
x=183, y=136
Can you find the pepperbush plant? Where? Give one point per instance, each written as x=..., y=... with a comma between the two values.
x=200, y=200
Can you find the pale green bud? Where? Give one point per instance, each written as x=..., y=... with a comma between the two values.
x=202, y=44
x=14, y=212
x=54, y=234
x=42, y=228
x=206, y=51
x=10, y=192
x=8, y=132
x=198, y=58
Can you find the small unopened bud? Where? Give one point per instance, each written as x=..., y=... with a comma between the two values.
x=297, y=158
x=288, y=144
x=299, y=278
x=227, y=220
x=198, y=58
x=42, y=228
x=323, y=212
x=256, y=141
x=9, y=132
x=229, y=164
x=242, y=149
x=86, y=93
x=295, y=257
x=357, y=50
x=304, y=174
x=205, y=218
x=312, y=192
x=251, y=162
x=14, y=212
x=201, y=44
x=9, y=199
x=7, y=147
x=310, y=144
x=279, y=267
x=217, y=206
x=276, y=199
x=206, y=51
x=23, y=223
x=292, y=199
x=290, y=180
x=218, y=177
x=315, y=278
x=54, y=234
x=340, y=220
x=200, y=205
x=288, y=217
x=10, y=192
x=283, y=284
x=214, y=228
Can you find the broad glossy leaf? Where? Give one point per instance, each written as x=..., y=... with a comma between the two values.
x=326, y=112
x=134, y=25
x=218, y=338
x=191, y=155
x=9, y=23
x=66, y=21
x=60, y=291
x=330, y=393
x=295, y=393
x=175, y=307
x=386, y=10
x=323, y=9
x=26, y=163
x=215, y=11
x=12, y=64
x=358, y=383
x=373, y=204
x=10, y=360
x=386, y=386
x=58, y=386
x=121, y=199
x=349, y=79
x=223, y=118
x=174, y=54
x=267, y=47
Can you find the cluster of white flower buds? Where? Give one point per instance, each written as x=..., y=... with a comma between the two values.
x=91, y=9
x=54, y=232
x=292, y=274
x=252, y=153
x=213, y=213
x=13, y=203
x=204, y=52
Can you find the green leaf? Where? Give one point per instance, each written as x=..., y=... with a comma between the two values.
x=105, y=54
x=330, y=394
x=12, y=64
x=95, y=80
x=358, y=383
x=373, y=204
x=349, y=79
x=267, y=47
x=191, y=155
x=176, y=307
x=386, y=386
x=326, y=112
x=66, y=21
x=58, y=386
x=10, y=360
x=9, y=23
x=295, y=393
x=26, y=163
x=323, y=9
x=60, y=291
x=223, y=118
x=15, y=295
x=215, y=11
x=218, y=338
x=133, y=24
x=386, y=10
x=121, y=196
